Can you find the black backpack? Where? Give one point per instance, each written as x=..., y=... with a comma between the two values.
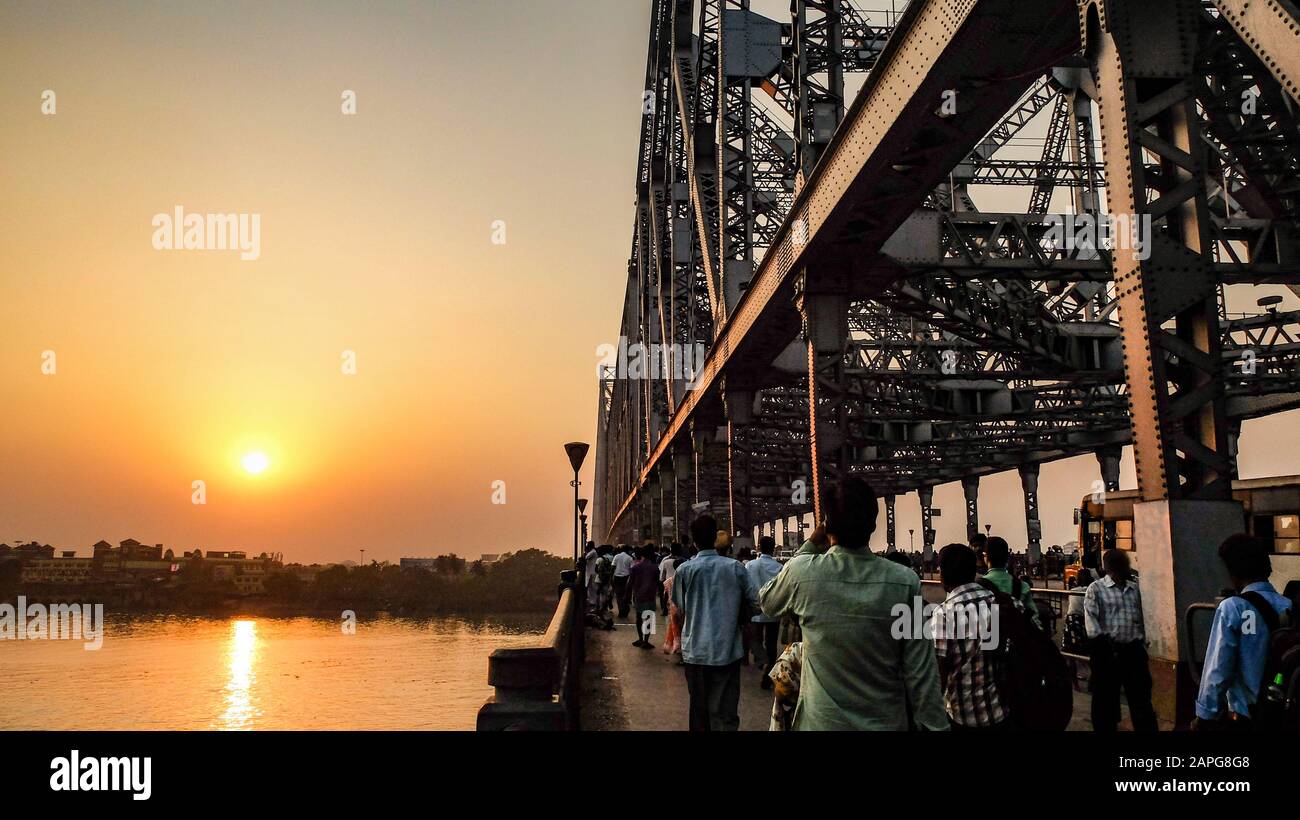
x=1277, y=705
x=1033, y=679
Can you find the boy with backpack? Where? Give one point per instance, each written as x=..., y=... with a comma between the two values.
x=996, y=554
x=1249, y=678
x=968, y=671
x=999, y=670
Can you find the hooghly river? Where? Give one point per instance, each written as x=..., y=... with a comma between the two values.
x=175, y=672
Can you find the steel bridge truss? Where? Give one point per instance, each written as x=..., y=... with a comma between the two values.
x=862, y=314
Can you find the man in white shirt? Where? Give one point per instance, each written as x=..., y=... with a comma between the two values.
x=667, y=568
x=622, y=571
x=763, y=569
x=589, y=567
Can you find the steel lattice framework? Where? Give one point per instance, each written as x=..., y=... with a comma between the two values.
x=859, y=313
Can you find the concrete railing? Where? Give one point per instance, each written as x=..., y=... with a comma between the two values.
x=537, y=687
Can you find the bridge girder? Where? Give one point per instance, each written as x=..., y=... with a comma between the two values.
x=873, y=242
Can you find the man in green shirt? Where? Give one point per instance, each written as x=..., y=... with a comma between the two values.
x=996, y=555
x=849, y=602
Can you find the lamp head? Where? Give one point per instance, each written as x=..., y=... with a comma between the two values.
x=577, y=451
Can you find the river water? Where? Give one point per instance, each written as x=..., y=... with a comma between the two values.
x=175, y=672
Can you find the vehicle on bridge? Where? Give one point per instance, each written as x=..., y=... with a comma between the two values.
x=1272, y=512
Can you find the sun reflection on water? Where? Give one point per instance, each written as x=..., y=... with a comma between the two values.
x=242, y=652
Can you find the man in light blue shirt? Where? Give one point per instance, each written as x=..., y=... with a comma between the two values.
x=1239, y=639
x=712, y=593
x=761, y=570
x=1112, y=617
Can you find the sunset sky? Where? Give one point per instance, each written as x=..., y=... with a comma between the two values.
x=475, y=361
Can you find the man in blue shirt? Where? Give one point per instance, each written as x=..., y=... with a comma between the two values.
x=761, y=570
x=712, y=593
x=1239, y=639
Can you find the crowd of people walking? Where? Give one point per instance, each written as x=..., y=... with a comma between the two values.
x=831, y=631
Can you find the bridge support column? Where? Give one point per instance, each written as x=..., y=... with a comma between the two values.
x=890, y=523
x=819, y=100
x=711, y=465
x=683, y=484
x=645, y=510
x=629, y=523
x=926, y=496
x=1108, y=460
x=655, y=501
x=823, y=304
x=1033, y=526
x=970, y=487
x=1142, y=57
x=740, y=420
x=667, y=501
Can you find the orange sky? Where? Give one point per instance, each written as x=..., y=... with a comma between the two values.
x=476, y=362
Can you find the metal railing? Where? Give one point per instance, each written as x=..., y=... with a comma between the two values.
x=1195, y=663
x=1053, y=606
x=1048, y=571
x=1054, y=603
x=537, y=688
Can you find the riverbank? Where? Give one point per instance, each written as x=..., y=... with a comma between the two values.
x=521, y=582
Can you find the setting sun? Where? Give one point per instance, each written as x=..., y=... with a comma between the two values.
x=255, y=463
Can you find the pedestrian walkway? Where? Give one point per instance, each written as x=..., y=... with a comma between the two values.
x=625, y=687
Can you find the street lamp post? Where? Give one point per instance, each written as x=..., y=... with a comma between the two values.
x=911, y=540
x=582, y=515
x=577, y=452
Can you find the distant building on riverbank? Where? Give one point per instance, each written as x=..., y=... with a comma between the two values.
x=450, y=564
x=306, y=573
x=418, y=563
x=132, y=563
x=67, y=571
x=31, y=551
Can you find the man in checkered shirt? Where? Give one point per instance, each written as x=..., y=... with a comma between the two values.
x=967, y=669
x=1112, y=616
